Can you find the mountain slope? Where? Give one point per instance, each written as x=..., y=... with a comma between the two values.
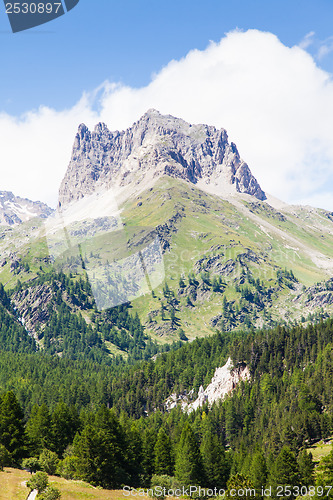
x=149, y=218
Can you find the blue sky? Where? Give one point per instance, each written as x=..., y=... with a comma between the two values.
x=64, y=72
x=129, y=40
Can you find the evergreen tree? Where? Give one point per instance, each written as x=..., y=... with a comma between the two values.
x=133, y=453
x=285, y=470
x=166, y=290
x=88, y=452
x=30, y=464
x=215, y=464
x=5, y=458
x=148, y=462
x=65, y=424
x=12, y=434
x=100, y=450
x=181, y=282
x=39, y=429
x=306, y=468
x=173, y=317
x=188, y=466
x=258, y=471
x=240, y=487
x=163, y=454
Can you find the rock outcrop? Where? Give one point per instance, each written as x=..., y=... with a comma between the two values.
x=225, y=380
x=31, y=305
x=155, y=145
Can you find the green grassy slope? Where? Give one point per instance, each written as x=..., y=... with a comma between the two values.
x=227, y=264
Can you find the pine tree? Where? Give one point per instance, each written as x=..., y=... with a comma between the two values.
x=306, y=468
x=258, y=471
x=39, y=482
x=65, y=423
x=88, y=452
x=163, y=454
x=98, y=450
x=285, y=470
x=173, y=317
x=215, y=464
x=188, y=466
x=133, y=453
x=12, y=434
x=48, y=461
x=39, y=429
x=240, y=487
x=5, y=457
x=166, y=290
x=112, y=444
x=148, y=455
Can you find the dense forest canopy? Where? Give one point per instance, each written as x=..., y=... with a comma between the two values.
x=73, y=413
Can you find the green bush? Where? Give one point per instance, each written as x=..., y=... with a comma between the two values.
x=163, y=481
x=39, y=482
x=51, y=493
x=48, y=461
x=31, y=464
x=67, y=468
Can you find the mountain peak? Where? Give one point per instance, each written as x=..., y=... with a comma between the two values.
x=152, y=112
x=15, y=210
x=154, y=146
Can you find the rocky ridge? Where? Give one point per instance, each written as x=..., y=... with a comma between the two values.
x=155, y=145
x=15, y=210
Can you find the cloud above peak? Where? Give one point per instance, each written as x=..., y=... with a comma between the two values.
x=274, y=101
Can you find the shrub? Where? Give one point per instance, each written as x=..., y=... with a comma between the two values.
x=51, y=493
x=48, y=461
x=67, y=468
x=31, y=464
x=39, y=482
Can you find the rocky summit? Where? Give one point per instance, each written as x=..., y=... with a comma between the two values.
x=15, y=210
x=154, y=146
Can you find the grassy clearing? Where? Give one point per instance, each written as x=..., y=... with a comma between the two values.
x=78, y=490
x=12, y=484
x=12, y=487
x=321, y=449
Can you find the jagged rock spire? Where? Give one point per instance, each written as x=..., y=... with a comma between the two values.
x=155, y=145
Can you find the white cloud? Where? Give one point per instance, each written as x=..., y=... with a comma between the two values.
x=275, y=103
x=307, y=40
x=36, y=147
x=325, y=48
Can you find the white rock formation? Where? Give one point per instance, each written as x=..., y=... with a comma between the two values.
x=225, y=380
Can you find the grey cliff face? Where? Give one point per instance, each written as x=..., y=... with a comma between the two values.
x=15, y=210
x=155, y=145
